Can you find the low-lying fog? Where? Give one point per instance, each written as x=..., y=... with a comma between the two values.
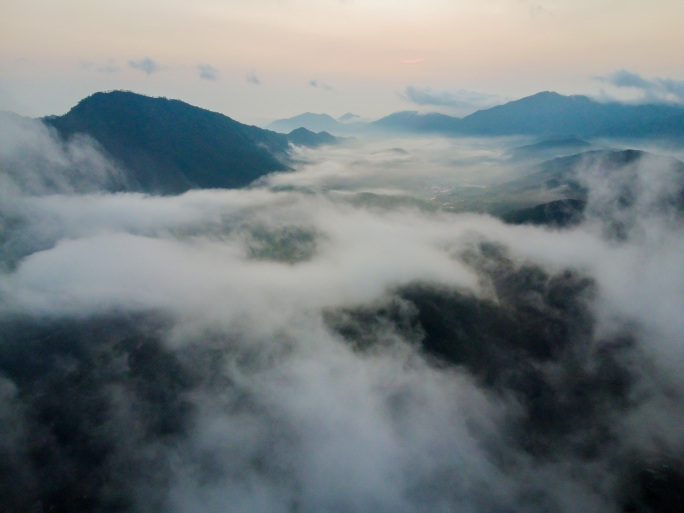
x=340, y=338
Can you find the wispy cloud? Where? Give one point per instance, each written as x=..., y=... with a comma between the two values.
x=651, y=90
x=320, y=85
x=459, y=99
x=252, y=78
x=147, y=65
x=208, y=72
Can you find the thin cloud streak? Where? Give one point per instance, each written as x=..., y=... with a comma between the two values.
x=320, y=85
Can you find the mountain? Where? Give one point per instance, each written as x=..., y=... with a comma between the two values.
x=412, y=121
x=552, y=114
x=548, y=114
x=168, y=146
x=558, y=178
x=562, y=172
x=304, y=137
x=308, y=120
x=556, y=192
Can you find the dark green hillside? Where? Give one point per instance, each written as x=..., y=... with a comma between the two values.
x=559, y=213
x=169, y=146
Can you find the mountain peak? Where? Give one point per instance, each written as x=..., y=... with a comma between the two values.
x=545, y=94
x=303, y=137
x=309, y=120
x=169, y=146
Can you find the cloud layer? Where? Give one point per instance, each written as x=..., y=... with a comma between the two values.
x=313, y=344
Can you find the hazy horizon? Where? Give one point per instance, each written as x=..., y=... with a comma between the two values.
x=261, y=61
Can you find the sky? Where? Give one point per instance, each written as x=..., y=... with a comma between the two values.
x=257, y=61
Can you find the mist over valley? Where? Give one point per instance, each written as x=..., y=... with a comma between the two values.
x=202, y=315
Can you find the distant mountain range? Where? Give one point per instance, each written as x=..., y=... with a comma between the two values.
x=345, y=124
x=545, y=114
x=168, y=146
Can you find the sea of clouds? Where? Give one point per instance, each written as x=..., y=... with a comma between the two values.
x=334, y=339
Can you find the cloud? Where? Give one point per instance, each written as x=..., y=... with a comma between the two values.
x=35, y=161
x=651, y=90
x=146, y=65
x=252, y=78
x=624, y=78
x=208, y=72
x=320, y=85
x=335, y=340
x=460, y=99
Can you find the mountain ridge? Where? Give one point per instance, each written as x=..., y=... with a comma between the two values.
x=169, y=146
x=547, y=114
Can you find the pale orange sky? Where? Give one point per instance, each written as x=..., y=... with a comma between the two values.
x=264, y=59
